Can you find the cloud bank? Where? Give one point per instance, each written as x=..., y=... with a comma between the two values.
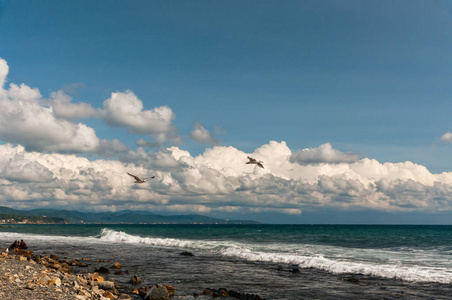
x=218, y=180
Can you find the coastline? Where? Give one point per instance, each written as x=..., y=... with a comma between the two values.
x=27, y=276
x=156, y=254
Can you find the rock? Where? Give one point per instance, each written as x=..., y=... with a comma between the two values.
x=24, y=252
x=54, y=257
x=106, y=285
x=116, y=265
x=96, y=277
x=135, y=291
x=171, y=290
x=124, y=297
x=57, y=281
x=186, y=253
x=74, y=262
x=157, y=292
x=109, y=295
x=352, y=279
x=142, y=291
x=95, y=289
x=43, y=279
x=135, y=280
x=222, y=292
x=296, y=271
x=103, y=270
x=82, y=280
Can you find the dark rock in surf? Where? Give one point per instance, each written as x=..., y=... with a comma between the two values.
x=103, y=270
x=352, y=279
x=222, y=292
x=186, y=253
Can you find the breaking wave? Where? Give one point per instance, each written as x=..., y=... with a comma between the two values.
x=405, y=265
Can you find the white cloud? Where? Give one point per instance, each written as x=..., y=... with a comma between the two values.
x=447, y=137
x=323, y=154
x=219, y=180
x=63, y=107
x=4, y=69
x=24, y=121
x=201, y=135
x=126, y=110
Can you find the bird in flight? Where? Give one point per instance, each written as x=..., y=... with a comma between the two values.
x=253, y=161
x=138, y=179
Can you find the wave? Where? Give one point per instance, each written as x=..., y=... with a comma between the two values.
x=336, y=260
x=424, y=266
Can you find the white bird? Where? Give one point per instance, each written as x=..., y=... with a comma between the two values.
x=253, y=161
x=138, y=179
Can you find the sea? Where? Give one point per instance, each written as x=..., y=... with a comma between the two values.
x=272, y=261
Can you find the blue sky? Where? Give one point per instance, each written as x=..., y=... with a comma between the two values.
x=371, y=78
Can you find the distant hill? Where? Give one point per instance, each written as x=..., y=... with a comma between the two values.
x=120, y=217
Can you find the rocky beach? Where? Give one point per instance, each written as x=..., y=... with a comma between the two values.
x=205, y=262
x=47, y=277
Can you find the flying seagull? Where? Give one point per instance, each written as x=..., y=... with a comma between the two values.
x=138, y=179
x=253, y=161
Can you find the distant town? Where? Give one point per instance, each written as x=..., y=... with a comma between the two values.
x=14, y=219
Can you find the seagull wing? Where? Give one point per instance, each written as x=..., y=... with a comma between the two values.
x=149, y=177
x=260, y=165
x=136, y=177
x=251, y=159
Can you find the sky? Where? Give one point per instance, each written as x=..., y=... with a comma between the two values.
x=347, y=103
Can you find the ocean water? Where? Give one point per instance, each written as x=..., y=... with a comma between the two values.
x=335, y=261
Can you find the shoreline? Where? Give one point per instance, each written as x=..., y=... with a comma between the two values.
x=28, y=276
x=86, y=251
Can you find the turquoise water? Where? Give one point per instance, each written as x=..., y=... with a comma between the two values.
x=404, y=254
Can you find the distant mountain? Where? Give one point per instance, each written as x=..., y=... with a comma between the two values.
x=120, y=217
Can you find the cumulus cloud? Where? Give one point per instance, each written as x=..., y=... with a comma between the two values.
x=4, y=69
x=47, y=125
x=219, y=180
x=201, y=135
x=63, y=107
x=447, y=137
x=323, y=154
x=24, y=121
x=126, y=110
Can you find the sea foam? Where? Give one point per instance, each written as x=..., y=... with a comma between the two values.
x=336, y=260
